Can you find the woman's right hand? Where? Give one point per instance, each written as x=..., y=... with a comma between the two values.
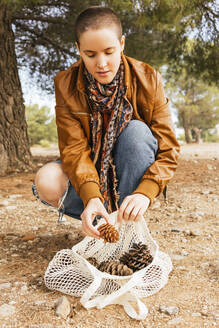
x=94, y=207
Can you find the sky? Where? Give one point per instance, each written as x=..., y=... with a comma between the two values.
x=33, y=94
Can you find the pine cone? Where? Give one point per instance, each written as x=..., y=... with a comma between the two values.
x=115, y=268
x=137, y=258
x=108, y=233
x=93, y=261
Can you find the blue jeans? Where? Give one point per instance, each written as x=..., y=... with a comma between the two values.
x=134, y=151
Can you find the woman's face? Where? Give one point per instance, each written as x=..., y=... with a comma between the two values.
x=100, y=51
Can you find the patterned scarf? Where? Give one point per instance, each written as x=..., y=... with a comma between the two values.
x=111, y=113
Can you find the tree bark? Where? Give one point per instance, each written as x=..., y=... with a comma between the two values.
x=186, y=128
x=15, y=152
x=197, y=134
x=187, y=134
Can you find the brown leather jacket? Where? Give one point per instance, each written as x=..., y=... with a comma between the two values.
x=145, y=91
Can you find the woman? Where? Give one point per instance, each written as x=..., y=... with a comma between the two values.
x=117, y=146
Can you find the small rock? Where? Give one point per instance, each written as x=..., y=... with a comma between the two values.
x=170, y=310
x=4, y=203
x=204, y=265
x=195, y=233
x=11, y=207
x=15, y=196
x=204, y=313
x=184, y=253
x=63, y=307
x=5, y=285
x=184, y=240
x=196, y=216
x=205, y=192
x=3, y=261
x=175, y=321
x=216, y=316
x=200, y=213
x=196, y=314
x=181, y=267
x=19, y=283
x=176, y=257
x=6, y=310
x=39, y=302
x=34, y=275
x=210, y=167
x=24, y=289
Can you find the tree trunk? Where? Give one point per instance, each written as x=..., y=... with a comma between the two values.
x=15, y=152
x=187, y=134
x=186, y=128
x=197, y=134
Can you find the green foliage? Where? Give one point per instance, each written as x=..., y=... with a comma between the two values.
x=197, y=104
x=157, y=32
x=41, y=125
x=44, y=143
x=208, y=137
x=182, y=137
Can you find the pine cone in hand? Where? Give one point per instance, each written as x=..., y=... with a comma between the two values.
x=137, y=258
x=108, y=233
x=115, y=268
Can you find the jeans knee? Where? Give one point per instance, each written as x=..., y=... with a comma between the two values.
x=136, y=137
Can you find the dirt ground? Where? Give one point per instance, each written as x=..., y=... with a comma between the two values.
x=185, y=228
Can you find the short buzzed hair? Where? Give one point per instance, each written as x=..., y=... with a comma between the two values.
x=96, y=17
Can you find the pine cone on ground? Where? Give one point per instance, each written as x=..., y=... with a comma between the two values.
x=115, y=268
x=108, y=233
x=93, y=261
x=137, y=258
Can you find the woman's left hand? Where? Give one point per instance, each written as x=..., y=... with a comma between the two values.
x=133, y=207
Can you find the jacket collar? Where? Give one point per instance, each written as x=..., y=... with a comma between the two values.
x=80, y=80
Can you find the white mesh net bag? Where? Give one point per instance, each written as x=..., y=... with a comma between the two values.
x=69, y=271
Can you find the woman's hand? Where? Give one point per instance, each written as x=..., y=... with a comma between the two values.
x=94, y=207
x=133, y=207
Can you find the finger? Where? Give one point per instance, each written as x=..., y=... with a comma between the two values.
x=134, y=215
x=104, y=214
x=88, y=228
x=128, y=210
x=138, y=217
x=122, y=209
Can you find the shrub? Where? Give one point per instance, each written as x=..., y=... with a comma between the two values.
x=41, y=125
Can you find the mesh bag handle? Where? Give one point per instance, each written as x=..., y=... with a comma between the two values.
x=123, y=296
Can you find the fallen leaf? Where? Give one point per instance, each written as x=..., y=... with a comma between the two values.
x=30, y=236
